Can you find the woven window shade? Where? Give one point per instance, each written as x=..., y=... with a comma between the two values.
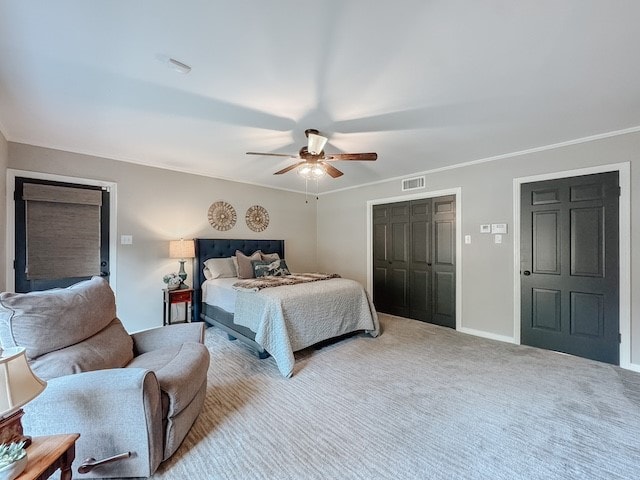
x=63, y=231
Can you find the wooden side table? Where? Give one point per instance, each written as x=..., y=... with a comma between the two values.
x=45, y=455
x=172, y=297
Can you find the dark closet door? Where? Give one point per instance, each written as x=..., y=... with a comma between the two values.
x=391, y=230
x=414, y=259
x=569, y=262
x=444, y=261
x=420, y=288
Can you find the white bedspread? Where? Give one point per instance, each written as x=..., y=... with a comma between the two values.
x=219, y=292
x=289, y=318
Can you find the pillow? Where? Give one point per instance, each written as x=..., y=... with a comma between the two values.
x=207, y=274
x=245, y=269
x=277, y=268
x=235, y=263
x=269, y=257
x=219, y=268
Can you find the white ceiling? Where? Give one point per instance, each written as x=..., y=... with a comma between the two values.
x=425, y=84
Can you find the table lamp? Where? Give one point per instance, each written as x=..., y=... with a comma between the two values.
x=182, y=249
x=18, y=386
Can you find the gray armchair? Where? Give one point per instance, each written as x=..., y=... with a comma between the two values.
x=135, y=393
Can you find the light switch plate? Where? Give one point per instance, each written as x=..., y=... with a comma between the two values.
x=467, y=239
x=499, y=228
x=497, y=238
x=126, y=239
x=486, y=228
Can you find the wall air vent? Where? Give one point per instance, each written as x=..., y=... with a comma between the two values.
x=413, y=183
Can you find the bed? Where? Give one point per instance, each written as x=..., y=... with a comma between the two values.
x=282, y=320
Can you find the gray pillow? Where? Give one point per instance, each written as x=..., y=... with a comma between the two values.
x=245, y=269
x=53, y=319
x=219, y=268
x=269, y=257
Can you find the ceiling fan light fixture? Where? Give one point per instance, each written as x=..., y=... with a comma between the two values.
x=316, y=143
x=311, y=172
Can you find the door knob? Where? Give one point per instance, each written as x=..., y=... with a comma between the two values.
x=526, y=273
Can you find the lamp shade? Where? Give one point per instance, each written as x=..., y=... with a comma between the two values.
x=316, y=143
x=18, y=384
x=182, y=249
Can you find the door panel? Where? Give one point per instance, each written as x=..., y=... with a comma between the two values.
x=587, y=314
x=570, y=271
x=399, y=242
x=445, y=243
x=421, y=295
x=546, y=242
x=380, y=242
x=444, y=294
x=587, y=242
x=546, y=309
x=399, y=289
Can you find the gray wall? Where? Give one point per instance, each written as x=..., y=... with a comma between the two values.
x=156, y=205
x=487, y=197
x=4, y=160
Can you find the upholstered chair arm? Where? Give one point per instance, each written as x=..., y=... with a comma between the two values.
x=114, y=411
x=160, y=337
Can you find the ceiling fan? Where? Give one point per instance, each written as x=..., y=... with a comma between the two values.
x=315, y=162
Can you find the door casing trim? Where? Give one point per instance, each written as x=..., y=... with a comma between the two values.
x=457, y=192
x=624, y=225
x=11, y=213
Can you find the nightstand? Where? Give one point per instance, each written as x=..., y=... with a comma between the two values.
x=45, y=455
x=171, y=297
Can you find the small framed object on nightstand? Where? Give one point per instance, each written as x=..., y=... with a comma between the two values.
x=174, y=297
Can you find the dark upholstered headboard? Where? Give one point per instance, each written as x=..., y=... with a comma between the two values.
x=225, y=247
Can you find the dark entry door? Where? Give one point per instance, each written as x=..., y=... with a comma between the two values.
x=569, y=266
x=23, y=283
x=414, y=259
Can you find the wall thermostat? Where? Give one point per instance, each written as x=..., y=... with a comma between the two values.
x=499, y=228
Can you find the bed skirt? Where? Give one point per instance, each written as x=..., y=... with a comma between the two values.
x=222, y=319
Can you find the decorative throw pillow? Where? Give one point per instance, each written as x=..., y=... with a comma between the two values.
x=269, y=257
x=245, y=269
x=235, y=263
x=277, y=268
x=219, y=268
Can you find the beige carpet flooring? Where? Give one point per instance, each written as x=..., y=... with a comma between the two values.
x=419, y=402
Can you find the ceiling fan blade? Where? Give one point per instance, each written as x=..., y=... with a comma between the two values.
x=289, y=168
x=272, y=154
x=352, y=156
x=331, y=170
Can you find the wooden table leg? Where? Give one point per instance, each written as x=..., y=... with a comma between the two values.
x=65, y=465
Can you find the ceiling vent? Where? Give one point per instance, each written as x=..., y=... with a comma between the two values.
x=414, y=183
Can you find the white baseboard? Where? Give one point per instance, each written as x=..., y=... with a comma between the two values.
x=634, y=367
x=483, y=334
